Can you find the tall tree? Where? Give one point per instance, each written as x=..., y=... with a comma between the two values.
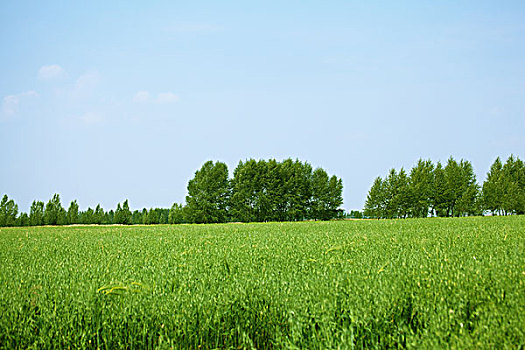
x=72, y=213
x=513, y=200
x=208, y=194
x=320, y=202
x=247, y=191
x=439, y=192
x=335, y=197
x=118, y=215
x=176, y=215
x=54, y=213
x=98, y=215
x=36, y=213
x=22, y=220
x=420, y=188
x=126, y=213
x=391, y=188
x=375, y=200
x=87, y=217
x=467, y=202
x=493, y=188
x=8, y=211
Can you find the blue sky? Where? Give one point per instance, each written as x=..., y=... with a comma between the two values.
x=103, y=101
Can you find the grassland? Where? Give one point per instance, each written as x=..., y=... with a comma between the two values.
x=429, y=283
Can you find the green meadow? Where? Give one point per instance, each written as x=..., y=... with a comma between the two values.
x=365, y=284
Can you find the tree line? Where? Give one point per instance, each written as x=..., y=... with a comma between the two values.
x=448, y=190
x=260, y=190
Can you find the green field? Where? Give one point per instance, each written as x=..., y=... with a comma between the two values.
x=421, y=283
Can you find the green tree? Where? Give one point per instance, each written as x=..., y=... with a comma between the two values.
x=144, y=216
x=72, y=213
x=390, y=186
x=54, y=213
x=513, y=200
x=208, y=194
x=118, y=215
x=36, y=213
x=493, y=188
x=335, y=197
x=22, y=220
x=136, y=217
x=467, y=202
x=375, y=205
x=153, y=217
x=125, y=214
x=87, y=217
x=98, y=215
x=300, y=192
x=403, y=198
x=8, y=211
x=248, y=193
x=439, y=192
x=420, y=188
x=176, y=214
x=320, y=202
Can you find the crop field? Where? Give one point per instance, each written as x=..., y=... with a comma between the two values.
x=418, y=283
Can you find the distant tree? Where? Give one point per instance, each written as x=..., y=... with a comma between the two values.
x=87, y=217
x=390, y=186
x=467, y=202
x=36, y=214
x=8, y=211
x=375, y=205
x=440, y=191
x=297, y=180
x=125, y=214
x=320, y=195
x=153, y=217
x=248, y=193
x=176, y=214
x=493, y=188
x=98, y=215
x=420, y=188
x=22, y=220
x=144, y=216
x=355, y=214
x=136, y=217
x=403, y=197
x=109, y=217
x=208, y=194
x=118, y=215
x=54, y=213
x=335, y=197
x=513, y=200
x=72, y=213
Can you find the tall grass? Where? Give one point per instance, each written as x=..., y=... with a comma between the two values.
x=431, y=283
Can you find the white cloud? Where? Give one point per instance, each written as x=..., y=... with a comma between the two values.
x=162, y=98
x=50, y=72
x=11, y=103
x=142, y=97
x=86, y=83
x=167, y=97
x=92, y=118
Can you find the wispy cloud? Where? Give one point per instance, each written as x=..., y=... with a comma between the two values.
x=50, y=72
x=167, y=97
x=92, y=118
x=161, y=98
x=86, y=83
x=142, y=97
x=11, y=103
